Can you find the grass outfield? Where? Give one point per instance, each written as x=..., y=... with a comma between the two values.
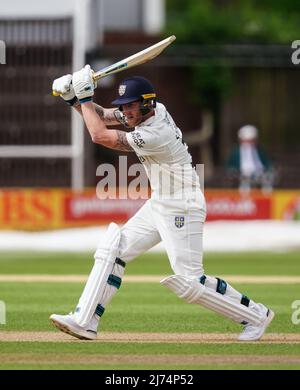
x=145, y=308
x=255, y=263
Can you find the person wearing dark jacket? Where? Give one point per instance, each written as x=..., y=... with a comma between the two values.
x=250, y=163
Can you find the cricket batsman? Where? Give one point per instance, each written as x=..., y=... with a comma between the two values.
x=174, y=214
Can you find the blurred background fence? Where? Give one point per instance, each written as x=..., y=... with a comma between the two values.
x=33, y=125
x=229, y=66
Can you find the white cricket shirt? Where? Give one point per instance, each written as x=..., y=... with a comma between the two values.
x=159, y=146
x=250, y=163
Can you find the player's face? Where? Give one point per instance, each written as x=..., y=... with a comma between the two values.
x=132, y=113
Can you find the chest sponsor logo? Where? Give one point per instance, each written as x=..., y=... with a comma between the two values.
x=179, y=222
x=137, y=139
x=141, y=158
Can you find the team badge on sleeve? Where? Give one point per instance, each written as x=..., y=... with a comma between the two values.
x=179, y=222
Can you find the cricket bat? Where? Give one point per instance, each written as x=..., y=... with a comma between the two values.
x=136, y=59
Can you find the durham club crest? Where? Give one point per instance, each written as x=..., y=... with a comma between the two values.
x=122, y=89
x=179, y=222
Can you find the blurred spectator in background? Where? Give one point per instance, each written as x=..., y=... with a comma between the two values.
x=249, y=163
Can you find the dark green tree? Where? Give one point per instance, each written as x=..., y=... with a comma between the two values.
x=221, y=22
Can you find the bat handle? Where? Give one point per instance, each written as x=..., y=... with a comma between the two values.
x=54, y=93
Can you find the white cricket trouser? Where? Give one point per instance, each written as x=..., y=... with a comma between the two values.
x=178, y=223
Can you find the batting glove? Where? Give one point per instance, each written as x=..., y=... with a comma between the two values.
x=84, y=84
x=64, y=87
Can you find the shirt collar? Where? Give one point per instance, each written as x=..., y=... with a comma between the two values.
x=148, y=121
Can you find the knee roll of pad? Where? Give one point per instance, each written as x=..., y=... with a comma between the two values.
x=188, y=289
x=108, y=247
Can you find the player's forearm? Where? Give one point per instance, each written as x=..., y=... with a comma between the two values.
x=94, y=123
x=110, y=138
x=106, y=114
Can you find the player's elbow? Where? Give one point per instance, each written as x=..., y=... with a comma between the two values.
x=101, y=139
x=95, y=138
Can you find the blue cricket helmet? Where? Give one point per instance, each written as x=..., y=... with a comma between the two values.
x=133, y=89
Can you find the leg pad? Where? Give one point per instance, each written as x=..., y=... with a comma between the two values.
x=194, y=292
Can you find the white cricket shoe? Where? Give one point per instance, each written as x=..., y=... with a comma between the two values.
x=68, y=325
x=254, y=333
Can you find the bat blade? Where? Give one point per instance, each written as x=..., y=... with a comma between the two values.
x=136, y=59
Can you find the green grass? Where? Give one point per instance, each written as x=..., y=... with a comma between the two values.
x=45, y=350
x=143, y=307
x=150, y=367
x=140, y=307
x=260, y=263
x=148, y=348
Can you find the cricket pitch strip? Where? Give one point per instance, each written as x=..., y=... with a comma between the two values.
x=128, y=337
